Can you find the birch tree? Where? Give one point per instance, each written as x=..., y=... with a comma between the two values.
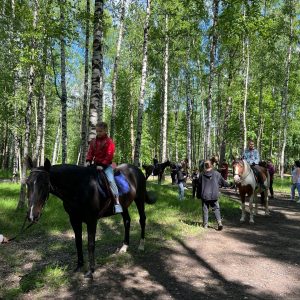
x=31, y=81
x=212, y=52
x=142, y=88
x=96, y=100
x=85, y=87
x=64, y=96
x=115, y=70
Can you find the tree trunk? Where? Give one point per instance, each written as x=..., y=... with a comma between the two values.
x=142, y=89
x=213, y=46
x=285, y=96
x=41, y=111
x=115, y=71
x=64, y=98
x=96, y=101
x=22, y=197
x=165, y=97
x=83, y=148
x=56, y=143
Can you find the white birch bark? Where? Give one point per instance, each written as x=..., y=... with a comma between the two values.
x=165, y=97
x=213, y=46
x=285, y=96
x=142, y=88
x=115, y=70
x=83, y=148
x=96, y=100
x=64, y=97
x=31, y=80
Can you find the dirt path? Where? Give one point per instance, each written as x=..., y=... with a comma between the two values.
x=259, y=261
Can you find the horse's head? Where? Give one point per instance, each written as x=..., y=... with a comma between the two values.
x=238, y=168
x=38, y=188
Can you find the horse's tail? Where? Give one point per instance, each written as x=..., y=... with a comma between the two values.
x=151, y=197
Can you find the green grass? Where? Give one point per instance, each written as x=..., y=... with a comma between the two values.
x=49, y=245
x=4, y=174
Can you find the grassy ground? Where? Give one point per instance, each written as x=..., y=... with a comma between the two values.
x=50, y=243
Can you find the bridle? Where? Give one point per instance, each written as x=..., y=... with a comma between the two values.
x=242, y=177
x=23, y=228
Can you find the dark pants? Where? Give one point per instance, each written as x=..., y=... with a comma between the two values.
x=271, y=187
x=214, y=204
x=194, y=184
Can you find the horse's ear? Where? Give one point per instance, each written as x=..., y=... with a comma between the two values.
x=29, y=162
x=47, y=165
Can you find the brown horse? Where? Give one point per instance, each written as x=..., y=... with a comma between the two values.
x=248, y=186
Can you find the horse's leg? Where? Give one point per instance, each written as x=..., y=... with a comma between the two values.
x=141, y=209
x=91, y=229
x=126, y=221
x=251, y=198
x=243, y=206
x=267, y=212
x=77, y=228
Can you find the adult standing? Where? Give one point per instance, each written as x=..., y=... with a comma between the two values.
x=180, y=181
x=101, y=152
x=296, y=181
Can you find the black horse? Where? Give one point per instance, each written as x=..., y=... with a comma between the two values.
x=78, y=188
x=157, y=170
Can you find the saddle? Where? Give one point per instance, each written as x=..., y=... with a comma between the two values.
x=104, y=186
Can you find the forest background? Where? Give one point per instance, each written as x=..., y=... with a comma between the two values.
x=176, y=79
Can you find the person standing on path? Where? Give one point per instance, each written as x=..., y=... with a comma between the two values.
x=180, y=181
x=296, y=181
x=208, y=192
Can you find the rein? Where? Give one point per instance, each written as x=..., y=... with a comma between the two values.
x=22, y=230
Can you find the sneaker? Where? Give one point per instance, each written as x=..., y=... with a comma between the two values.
x=118, y=209
x=292, y=199
x=298, y=201
x=220, y=226
x=205, y=226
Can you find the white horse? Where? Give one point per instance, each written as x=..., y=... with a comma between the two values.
x=248, y=186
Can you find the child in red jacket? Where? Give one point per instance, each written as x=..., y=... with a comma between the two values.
x=101, y=152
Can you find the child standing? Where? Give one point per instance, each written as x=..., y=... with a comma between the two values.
x=208, y=192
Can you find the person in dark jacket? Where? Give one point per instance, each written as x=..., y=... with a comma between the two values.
x=208, y=192
x=195, y=177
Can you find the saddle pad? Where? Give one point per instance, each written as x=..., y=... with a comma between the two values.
x=122, y=183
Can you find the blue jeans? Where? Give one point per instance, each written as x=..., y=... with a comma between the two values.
x=109, y=172
x=180, y=190
x=293, y=188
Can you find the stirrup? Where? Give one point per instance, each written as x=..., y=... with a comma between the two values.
x=118, y=209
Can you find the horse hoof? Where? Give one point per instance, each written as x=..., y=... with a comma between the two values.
x=251, y=222
x=88, y=275
x=242, y=220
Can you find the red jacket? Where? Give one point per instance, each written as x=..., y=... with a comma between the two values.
x=101, y=151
